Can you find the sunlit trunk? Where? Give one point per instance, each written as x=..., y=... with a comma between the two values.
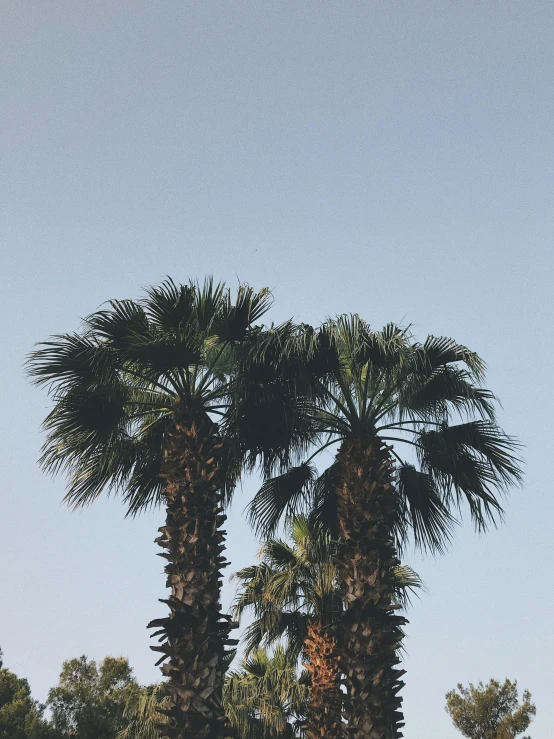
x=195, y=633
x=324, y=719
x=370, y=632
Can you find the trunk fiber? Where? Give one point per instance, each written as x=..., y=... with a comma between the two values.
x=195, y=633
x=324, y=719
x=370, y=633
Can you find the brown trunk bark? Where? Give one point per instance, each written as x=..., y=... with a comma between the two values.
x=324, y=719
x=370, y=633
x=195, y=633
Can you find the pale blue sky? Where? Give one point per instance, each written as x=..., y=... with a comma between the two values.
x=389, y=158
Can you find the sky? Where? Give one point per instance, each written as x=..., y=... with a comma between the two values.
x=390, y=159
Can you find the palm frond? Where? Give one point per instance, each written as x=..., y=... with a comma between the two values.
x=407, y=583
x=323, y=513
x=279, y=555
x=438, y=351
x=210, y=300
x=446, y=389
x=119, y=326
x=236, y=318
x=70, y=360
x=278, y=496
x=273, y=625
x=171, y=307
x=264, y=699
x=142, y=712
x=422, y=513
x=472, y=460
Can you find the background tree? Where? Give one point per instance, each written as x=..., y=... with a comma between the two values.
x=135, y=396
x=490, y=711
x=90, y=699
x=417, y=437
x=21, y=717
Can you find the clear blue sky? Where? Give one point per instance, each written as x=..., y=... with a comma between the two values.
x=389, y=158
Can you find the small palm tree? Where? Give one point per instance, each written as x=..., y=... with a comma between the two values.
x=265, y=698
x=136, y=396
x=375, y=394
x=294, y=595
x=143, y=713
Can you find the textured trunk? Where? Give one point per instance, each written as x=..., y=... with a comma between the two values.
x=325, y=707
x=370, y=633
x=195, y=633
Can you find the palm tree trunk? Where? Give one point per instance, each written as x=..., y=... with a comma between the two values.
x=195, y=633
x=324, y=718
x=370, y=632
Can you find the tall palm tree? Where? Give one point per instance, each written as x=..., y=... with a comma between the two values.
x=417, y=436
x=136, y=396
x=294, y=595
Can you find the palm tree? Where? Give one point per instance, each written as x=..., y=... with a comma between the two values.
x=294, y=594
x=135, y=393
x=263, y=699
x=417, y=437
x=143, y=713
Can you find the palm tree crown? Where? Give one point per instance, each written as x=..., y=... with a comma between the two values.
x=424, y=400
x=117, y=384
x=293, y=582
x=294, y=594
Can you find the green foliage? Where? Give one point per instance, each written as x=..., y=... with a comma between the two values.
x=296, y=580
x=424, y=399
x=491, y=711
x=117, y=383
x=21, y=717
x=90, y=699
x=265, y=698
x=142, y=715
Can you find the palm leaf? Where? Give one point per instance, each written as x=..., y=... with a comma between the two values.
x=235, y=319
x=278, y=496
x=70, y=360
x=471, y=461
x=121, y=325
x=438, y=351
x=171, y=307
x=422, y=512
x=447, y=388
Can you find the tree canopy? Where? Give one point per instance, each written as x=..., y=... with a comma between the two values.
x=21, y=717
x=90, y=699
x=490, y=711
